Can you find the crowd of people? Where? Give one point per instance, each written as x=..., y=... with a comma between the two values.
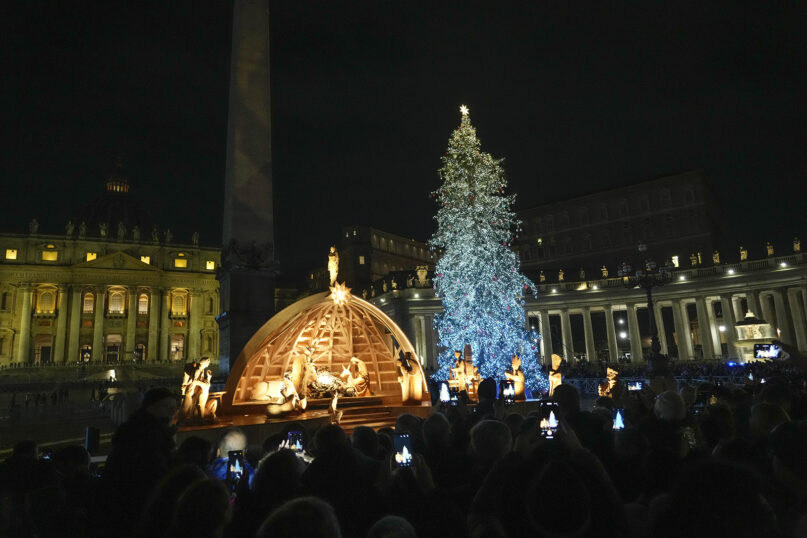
x=710, y=460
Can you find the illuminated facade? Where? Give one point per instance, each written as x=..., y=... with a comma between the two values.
x=601, y=319
x=88, y=296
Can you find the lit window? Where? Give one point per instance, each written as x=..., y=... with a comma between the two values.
x=89, y=303
x=50, y=255
x=145, y=259
x=47, y=302
x=181, y=263
x=11, y=253
x=361, y=260
x=178, y=305
x=116, y=302
x=210, y=265
x=143, y=304
x=91, y=256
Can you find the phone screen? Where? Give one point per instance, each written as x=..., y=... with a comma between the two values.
x=508, y=392
x=635, y=385
x=548, y=425
x=444, y=394
x=295, y=439
x=235, y=468
x=619, y=419
x=403, y=450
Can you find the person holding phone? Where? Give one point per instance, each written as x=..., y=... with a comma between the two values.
x=233, y=440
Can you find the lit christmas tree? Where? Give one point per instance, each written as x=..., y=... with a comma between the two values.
x=477, y=276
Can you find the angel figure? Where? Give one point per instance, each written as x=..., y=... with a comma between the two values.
x=333, y=264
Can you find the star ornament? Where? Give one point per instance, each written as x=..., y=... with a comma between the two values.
x=464, y=110
x=340, y=293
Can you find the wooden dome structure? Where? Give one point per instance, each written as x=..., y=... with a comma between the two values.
x=332, y=327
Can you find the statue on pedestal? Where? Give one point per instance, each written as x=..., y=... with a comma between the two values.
x=155, y=234
x=195, y=239
x=102, y=229
x=333, y=264
x=541, y=277
x=169, y=237
x=582, y=274
x=422, y=271
x=716, y=257
x=604, y=271
x=121, y=231
x=693, y=260
x=136, y=234
x=195, y=391
x=516, y=375
x=743, y=253
x=555, y=376
x=33, y=227
x=68, y=229
x=796, y=245
x=464, y=375
x=769, y=248
x=410, y=376
x=560, y=276
x=82, y=230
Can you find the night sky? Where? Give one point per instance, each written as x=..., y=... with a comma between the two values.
x=577, y=97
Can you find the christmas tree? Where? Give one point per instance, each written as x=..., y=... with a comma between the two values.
x=477, y=276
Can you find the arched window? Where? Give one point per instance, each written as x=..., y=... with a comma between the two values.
x=179, y=304
x=89, y=303
x=116, y=301
x=143, y=304
x=4, y=300
x=210, y=305
x=47, y=302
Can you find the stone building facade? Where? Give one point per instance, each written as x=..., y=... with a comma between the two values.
x=675, y=213
x=103, y=292
x=65, y=300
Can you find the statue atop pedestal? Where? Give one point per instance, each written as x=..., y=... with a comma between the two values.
x=195, y=391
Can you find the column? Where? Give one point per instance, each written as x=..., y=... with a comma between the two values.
x=98, y=351
x=76, y=301
x=194, y=327
x=752, y=298
x=704, y=330
x=767, y=311
x=636, y=353
x=737, y=305
x=783, y=317
x=131, y=324
x=613, y=347
x=61, y=325
x=804, y=300
x=566, y=335
x=165, y=325
x=681, y=330
x=24, y=341
x=662, y=331
x=688, y=329
x=152, y=352
x=714, y=328
x=591, y=351
x=546, y=337
x=799, y=322
x=728, y=319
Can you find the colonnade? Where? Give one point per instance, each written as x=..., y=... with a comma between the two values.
x=156, y=326
x=784, y=308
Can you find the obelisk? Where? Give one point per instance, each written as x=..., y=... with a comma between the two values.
x=248, y=267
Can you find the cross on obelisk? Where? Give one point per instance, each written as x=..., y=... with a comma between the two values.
x=248, y=266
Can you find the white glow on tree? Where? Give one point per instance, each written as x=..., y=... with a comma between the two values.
x=477, y=276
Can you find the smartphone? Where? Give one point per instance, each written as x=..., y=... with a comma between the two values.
x=445, y=396
x=47, y=455
x=508, y=392
x=635, y=385
x=619, y=419
x=548, y=425
x=235, y=468
x=295, y=441
x=403, y=450
x=454, y=397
